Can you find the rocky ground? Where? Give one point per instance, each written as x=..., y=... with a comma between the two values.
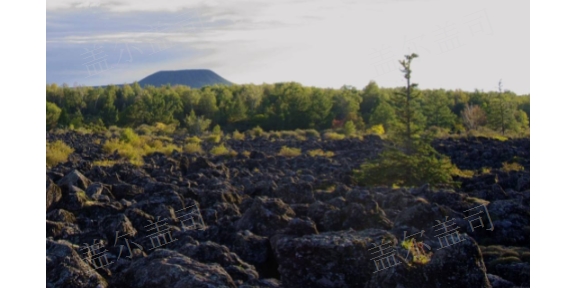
x=273, y=221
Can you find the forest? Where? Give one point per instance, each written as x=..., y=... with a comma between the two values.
x=284, y=106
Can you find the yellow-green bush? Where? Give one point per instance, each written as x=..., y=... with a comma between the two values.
x=222, y=150
x=193, y=140
x=237, y=135
x=311, y=133
x=163, y=129
x=57, y=152
x=213, y=139
x=289, y=152
x=320, y=153
x=376, y=129
x=508, y=167
x=193, y=148
x=257, y=131
x=333, y=136
x=133, y=147
x=105, y=163
x=129, y=136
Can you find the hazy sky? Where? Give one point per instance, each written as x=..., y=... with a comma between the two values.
x=324, y=43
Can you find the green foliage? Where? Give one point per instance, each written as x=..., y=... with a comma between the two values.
x=312, y=133
x=437, y=110
x=193, y=148
x=237, y=135
x=216, y=130
x=407, y=109
x=383, y=114
x=222, y=150
x=196, y=125
x=333, y=136
x=508, y=167
x=57, y=152
x=501, y=111
x=52, y=115
x=279, y=107
x=376, y=129
x=349, y=128
x=213, y=138
x=193, y=140
x=289, y=152
x=257, y=131
x=320, y=153
x=129, y=136
x=395, y=167
x=414, y=162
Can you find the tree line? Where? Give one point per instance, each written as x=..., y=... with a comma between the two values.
x=284, y=106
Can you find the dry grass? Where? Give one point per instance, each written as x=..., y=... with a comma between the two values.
x=320, y=153
x=193, y=148
x=508, y=167
x=289, y=152
x=237, y=135
x=222, y=150
x=57, y=152
x=132, y=147
x=333, y=136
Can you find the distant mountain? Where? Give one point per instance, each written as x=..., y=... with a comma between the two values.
x=195, y=78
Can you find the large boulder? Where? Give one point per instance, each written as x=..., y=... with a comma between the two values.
x=65, y=268
x=74, y=178
x=210, y=252
x=166, y=268
x=457, y=265
x=332, y=259
x=266, y=216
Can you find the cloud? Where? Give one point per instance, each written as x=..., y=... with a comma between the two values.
x=321, y=42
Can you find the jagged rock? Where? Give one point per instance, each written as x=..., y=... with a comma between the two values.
x=65, y=268
x=61, y=215
x=266, y=216
x=53, y=194
x=74, y=178
x=126, y=191
x=332, y=259
x=458, y=265
x=166, y=268
x=210, y=252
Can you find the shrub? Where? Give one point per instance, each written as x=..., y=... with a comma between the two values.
x=213, y=139
x=163, y=129
x=193, y=148
x=164, y=149
x=216, y=130
x=257, y=131
x=125, y=150
x=321, y=153
x=193, y=140
x=129, y=136
x=376, y=129
x=105, y=163
x=333, y=136
x=311, y=133
x=289, y=152
x=508, y=167
x=144, y=129
x=237, y=135
x=349, y=128
x=57, y=152
x=395, y=167
x=273, y=135
x=220, y=150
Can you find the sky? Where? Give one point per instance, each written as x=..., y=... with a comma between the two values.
x=324, y=43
